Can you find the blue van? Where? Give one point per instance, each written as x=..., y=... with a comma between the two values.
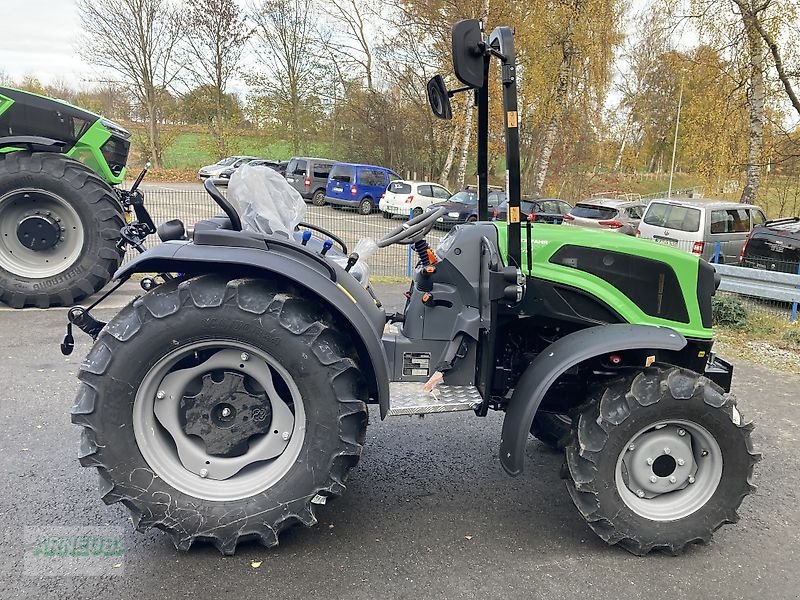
x=358, y=186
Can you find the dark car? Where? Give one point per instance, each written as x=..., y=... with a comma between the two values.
x=539, y=210
x=358, y=186
x=224, y=176
x=309, y=176
x=462, y=207
x=774, y=246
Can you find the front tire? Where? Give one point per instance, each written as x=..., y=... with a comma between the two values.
x=187, y=387
x=552, y=429
x=59, y=228
x=365, y=206
x=660, y=460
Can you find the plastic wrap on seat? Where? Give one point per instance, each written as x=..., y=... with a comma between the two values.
x=365, y=247
x=265, y=201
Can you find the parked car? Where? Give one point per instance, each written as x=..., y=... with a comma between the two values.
x=697, y=226
x=622, y=216
x=410, y=198
x=215, y=169
x=224, y=177
x=539, y=210
x=462, y=207
x=773, y=246
x=309, y=176
x=358, y=186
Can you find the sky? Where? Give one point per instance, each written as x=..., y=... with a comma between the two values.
x=39, y=38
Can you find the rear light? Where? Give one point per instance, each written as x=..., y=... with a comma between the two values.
x=638, y=233
x=307, y=182
x=410, y=199
x=383, y=196
x=569, y=217
x=698, y=247
x=494, y=213
x=353, y=190
x=611, y=224
x=741, y=254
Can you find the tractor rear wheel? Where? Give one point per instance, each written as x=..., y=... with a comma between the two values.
x=660, y=460
x=59, y=228
x=221, y=411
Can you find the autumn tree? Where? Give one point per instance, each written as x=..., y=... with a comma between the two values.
x=216, y=35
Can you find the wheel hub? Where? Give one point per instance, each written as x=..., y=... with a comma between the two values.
x=225, y=414
x=659, y=462
x=38, y=232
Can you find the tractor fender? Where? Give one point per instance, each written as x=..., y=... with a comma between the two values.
x=34, y=142
x=563, y=354
x=343, y=295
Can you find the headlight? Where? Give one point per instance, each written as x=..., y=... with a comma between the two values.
x=453, y=215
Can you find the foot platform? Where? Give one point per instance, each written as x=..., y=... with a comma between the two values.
x=408, y=398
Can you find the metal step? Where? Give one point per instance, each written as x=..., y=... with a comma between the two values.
x=408, y=398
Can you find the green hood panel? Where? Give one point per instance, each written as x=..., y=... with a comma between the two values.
x=549, y=239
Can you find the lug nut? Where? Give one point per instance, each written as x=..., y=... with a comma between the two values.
x=681, y=432
x=226, y=412
x=650, y=461
x=672, y=479
x=653, y=478
x=667, y=451
x=203, y=473
x=681, y=462
x=632, y=447
x=691, y=479
x=245, y=356
x=640, y=493
x=285, y=435
x=161, y=394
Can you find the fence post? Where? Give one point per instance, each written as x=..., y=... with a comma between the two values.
x=716, y=253
x=408, y=268
x=793, y=318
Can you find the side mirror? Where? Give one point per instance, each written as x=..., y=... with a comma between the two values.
x=438, y=98
x=468, y=57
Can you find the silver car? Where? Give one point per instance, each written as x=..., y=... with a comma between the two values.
x=621, y=216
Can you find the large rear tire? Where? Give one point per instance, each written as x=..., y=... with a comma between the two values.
x=221, y=411
x=660, y=460
x=59, y=229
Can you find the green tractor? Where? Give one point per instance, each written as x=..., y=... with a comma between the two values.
x=230, y=400
x=60, y=216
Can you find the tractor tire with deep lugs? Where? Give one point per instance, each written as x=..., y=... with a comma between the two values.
x=660, y=460
x=59, y=228
x=265, y=348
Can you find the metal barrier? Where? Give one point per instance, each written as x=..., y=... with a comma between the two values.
x=757, y=283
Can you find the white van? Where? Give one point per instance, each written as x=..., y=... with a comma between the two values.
x=714, y=230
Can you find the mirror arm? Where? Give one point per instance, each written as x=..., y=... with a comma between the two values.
x=451, y=93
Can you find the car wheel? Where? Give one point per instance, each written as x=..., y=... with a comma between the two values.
x=365, y=206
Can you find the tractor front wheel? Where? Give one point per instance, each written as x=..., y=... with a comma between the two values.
x=660, y=460
x=552, y=429
x=59, y=228
x=221, y=411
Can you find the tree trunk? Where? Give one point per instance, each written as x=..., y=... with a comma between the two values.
x=448, y=163
x=618, y=161
x=152, y=130
x=465, y=140
x=755, y=101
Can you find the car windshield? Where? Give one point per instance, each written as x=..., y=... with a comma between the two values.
x=464, y=197
x=225, y=162
x=672, y=216
x=342, y=173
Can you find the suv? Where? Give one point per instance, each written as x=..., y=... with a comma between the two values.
x=462, y=207
x=358, y=186
x=410, y=198
x=309, y=176
x=715, y=230
x=621, y=216
x=537, y=210
x=774, y=246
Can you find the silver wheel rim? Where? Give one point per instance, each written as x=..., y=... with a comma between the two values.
x=669, y=470
x=20, y=260
x=173, y=455
x=366, y=207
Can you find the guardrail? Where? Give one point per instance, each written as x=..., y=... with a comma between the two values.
x=758, y=283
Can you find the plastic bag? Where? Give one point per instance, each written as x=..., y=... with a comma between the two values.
x=365, y=247
x=265, y=201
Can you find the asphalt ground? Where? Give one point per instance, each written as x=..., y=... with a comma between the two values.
x=428, y=513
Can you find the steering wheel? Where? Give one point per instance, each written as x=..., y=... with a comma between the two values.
x=412, y=230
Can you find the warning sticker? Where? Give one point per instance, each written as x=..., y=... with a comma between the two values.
x=512, y=119
x=513, y=214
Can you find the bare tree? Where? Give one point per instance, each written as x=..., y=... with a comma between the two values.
x=353, y=40
x=135, y=42
x=216, y=35
x=286, y=31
